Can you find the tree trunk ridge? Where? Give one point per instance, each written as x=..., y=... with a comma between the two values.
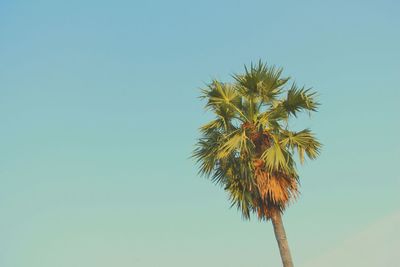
x=281, y=239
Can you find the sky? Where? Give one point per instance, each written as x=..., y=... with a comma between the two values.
x=99, y=114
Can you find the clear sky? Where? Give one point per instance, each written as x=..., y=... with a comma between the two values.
x=99, y=115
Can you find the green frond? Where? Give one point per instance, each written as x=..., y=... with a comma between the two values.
x=240, y=187
x=271, y=118
x=261, y=81
x=298, y=99
x=212, y=126
x=234, y=143
x=240, y=197
x=304, y=141
x=223, y=97
x=278, y=159
x=250, y=108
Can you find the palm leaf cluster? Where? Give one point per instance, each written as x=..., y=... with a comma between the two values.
x=248, y=148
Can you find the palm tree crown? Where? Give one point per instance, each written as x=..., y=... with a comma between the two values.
x=248, y=148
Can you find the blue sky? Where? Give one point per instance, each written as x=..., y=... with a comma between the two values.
x=99, y=114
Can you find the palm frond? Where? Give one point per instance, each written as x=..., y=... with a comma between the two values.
x=261, y=81
x=298, y=99
x=277, y=158
x=224, y=97
x=214, y=125
x=304, y=141
x=271, y=118
x=206, y=151
x=231, y=143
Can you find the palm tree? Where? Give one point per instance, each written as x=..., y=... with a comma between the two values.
x=249, y=149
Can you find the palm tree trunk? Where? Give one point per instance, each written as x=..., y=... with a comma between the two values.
x=281, y=238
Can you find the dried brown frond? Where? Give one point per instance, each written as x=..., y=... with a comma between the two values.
x=275, y=190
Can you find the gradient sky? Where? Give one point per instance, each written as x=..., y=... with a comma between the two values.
x=99, y=115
